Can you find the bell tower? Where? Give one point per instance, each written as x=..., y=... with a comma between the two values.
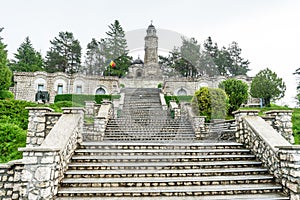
x=151, y=46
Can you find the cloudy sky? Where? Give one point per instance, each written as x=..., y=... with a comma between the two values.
x=268, y=31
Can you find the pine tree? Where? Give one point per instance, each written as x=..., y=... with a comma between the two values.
x=116, y=42
x=64, y=55
x=6, y=74
x=27, y=59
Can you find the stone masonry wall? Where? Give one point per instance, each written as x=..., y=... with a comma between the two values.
x=278, y=155
x=44, y=165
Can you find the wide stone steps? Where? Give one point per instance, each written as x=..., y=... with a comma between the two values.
x=163, y=181
x=171, y=190
x=166, y=173
x=162, y=165
x=269, y=196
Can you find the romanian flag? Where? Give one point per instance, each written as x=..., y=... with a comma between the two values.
x=112, y=64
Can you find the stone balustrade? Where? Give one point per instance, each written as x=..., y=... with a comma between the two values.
x=282, y=122
x=278, y=155
x=175, y=109
x=104, y=114
x=163, y=101
x=44, y=165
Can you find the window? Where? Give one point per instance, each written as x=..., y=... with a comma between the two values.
x=100, y=91
x=60, y=89
x=78, y=89
x=182, y=92
x=40, y=87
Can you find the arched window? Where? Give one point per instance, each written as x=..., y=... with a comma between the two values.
x=181, y=92
x=100, y=91
x=138, y=73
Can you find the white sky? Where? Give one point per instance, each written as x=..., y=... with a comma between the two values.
x=268, y=31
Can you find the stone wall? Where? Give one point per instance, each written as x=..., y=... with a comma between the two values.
x=27, y=84
x=269, y=146
x=282, y=122
x=45, y=164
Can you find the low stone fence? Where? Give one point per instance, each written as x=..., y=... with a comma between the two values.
x=45, y=157
x=269, y=146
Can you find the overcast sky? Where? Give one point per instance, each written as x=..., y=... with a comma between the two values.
x=268, y=31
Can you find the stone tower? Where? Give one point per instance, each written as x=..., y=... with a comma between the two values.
x=151, y=46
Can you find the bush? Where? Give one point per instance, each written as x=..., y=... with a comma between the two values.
x=81, y=98
x=6, y=95
x=11, y=138
x=159, y=85
x=237, y=92
x=210, y=102
x=58, y=105
x=169, y=98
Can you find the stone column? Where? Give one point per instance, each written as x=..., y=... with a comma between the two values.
x=290, y=169
x=198, y=124
x=90, y=108
x=41, y=173
x=283, y=123
x=36, y=126
x=238, y=115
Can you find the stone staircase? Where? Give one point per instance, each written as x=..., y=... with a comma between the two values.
x=143, y=119
x=139, y=159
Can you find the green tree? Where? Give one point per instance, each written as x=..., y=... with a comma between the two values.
x=238, y=65
x=116, y=44
x=267, y=86
x=95, y=58
x=121, y=67
x=6, y=74
x=210, y=102
x=27, y=59
x=297, y=72
x=64, y=55
x=237, y=92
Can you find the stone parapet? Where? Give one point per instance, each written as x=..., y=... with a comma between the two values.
x=104, y=114
x=277, y=154
x=282, y=122
x=290, y=169
x=36, y=125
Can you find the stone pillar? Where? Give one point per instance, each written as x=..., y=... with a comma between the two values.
x=105, y=113
x=41, y=173
x=198, y=124
x=283, y=123
x=290, y=169
x=238, y=115
x=90, y=108
x=36, y=126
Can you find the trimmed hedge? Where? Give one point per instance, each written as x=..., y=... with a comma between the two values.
x=81, y=98
x=169, y=98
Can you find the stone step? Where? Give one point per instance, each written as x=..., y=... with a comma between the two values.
x=166, y=151
x=163, y=165
x=171, y=181
x=171, y=190
x=268, y=196
x=166, y=173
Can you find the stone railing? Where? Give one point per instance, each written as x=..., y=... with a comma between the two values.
x=282, y=122
x=163, y=101
x=104, y=114
x=277, y=154
x=10, y=179
x=44, y=165
x=175, y=109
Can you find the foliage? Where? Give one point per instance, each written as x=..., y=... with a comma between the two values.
x=171, y=98
x=268, y=86
x=159, y=85
x=79, y=99
x=190, y=61
x=64, y=55
x=11, y=138
x=210, y=102
x=6, y=95
x=297, y=72
x=122, y=64
x=27, y=59
x=186, y=98
x=237, y=92
x=5, y=73
x=296, y=125
x=95, y=58
x=60, y=104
